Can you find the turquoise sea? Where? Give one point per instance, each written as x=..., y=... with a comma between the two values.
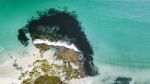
x=118, y=30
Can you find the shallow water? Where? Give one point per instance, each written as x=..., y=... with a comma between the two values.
x=118, y=30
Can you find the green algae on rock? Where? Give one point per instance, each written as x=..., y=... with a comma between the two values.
x=46, y=79
x=42, y=68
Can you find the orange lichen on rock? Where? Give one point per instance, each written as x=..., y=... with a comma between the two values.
x=43, y=48
x=68, y=55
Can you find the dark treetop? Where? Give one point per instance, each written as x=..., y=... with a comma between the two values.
x=62, y=23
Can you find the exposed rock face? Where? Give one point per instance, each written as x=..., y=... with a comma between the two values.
x=61, y=31
x=71, y=59
x=42, y=67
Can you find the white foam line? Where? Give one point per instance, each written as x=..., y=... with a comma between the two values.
x=58, y=43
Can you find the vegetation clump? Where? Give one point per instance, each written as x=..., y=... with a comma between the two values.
x=56, y=25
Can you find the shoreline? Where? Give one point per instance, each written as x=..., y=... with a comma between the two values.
x=108, y=73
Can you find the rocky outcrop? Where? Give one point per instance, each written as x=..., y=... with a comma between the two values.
x=61, y=31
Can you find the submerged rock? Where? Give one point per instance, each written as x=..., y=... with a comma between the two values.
x=123, y=80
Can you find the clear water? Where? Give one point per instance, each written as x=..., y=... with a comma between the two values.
x=118, y=30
